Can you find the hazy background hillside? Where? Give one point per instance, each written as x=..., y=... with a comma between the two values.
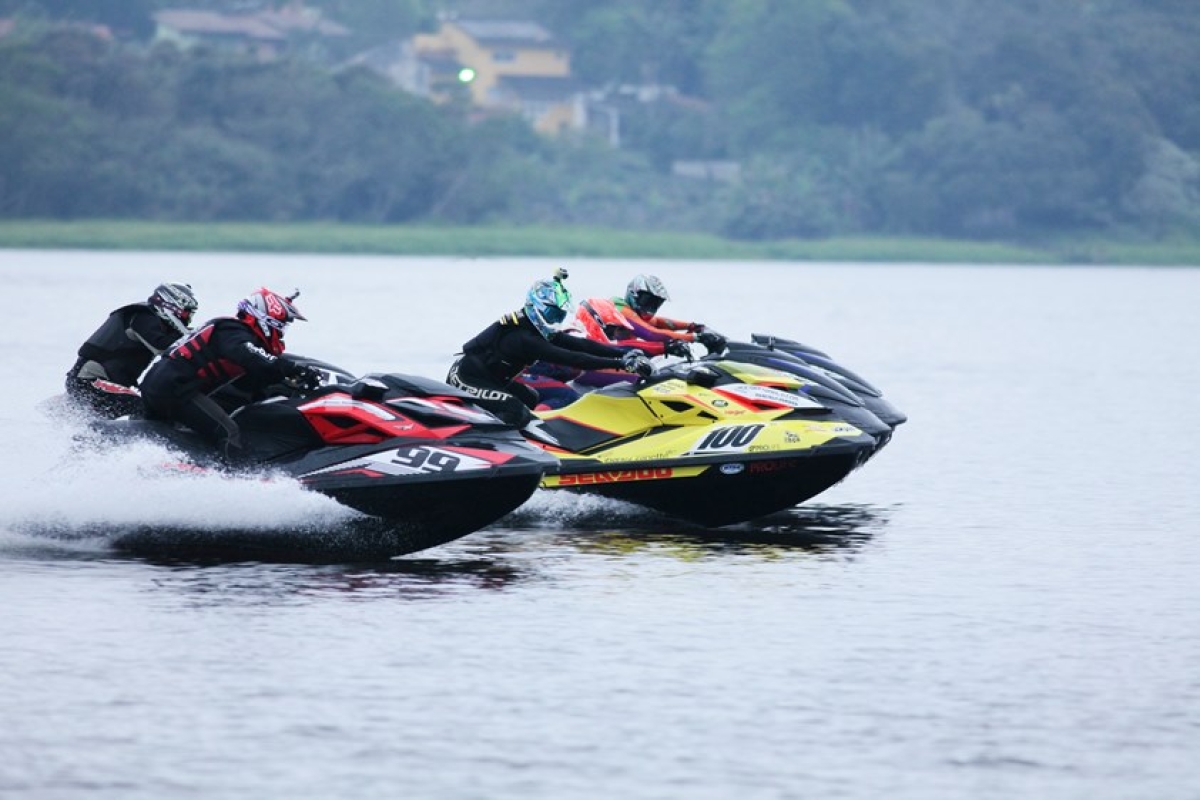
x=990, y=119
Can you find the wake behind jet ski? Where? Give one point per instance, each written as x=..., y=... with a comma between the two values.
x=413, y=451
x=713, y=443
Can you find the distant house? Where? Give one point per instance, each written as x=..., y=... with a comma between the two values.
x=430, y=74
x=8, y=25
x=505, y=65
x=264, y=34
x=297, y=18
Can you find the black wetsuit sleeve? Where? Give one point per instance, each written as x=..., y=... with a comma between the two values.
x=531, y=347
x=584, y=345
x=150, y=330
x=240, y=347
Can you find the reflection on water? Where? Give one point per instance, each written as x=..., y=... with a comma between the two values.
x=817, y=528
x=591, y=526
x=338, y=541
x=262, y=566
x=212, y=581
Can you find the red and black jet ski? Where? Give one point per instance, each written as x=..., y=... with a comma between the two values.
x=414, y=451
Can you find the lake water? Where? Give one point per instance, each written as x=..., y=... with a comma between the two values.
x=1002, y=604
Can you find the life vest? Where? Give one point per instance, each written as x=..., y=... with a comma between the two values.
x=484, y=349
x=110, y=338
x=209, y=368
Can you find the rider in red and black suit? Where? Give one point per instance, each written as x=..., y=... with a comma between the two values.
x=247, y=347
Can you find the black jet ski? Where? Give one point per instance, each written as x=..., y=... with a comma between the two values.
x=819, y=368
x=414, y=451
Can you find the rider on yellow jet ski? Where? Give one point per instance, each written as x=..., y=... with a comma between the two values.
x=498, y=354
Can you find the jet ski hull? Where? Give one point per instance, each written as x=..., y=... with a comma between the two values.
x=412, y=453
x=720, y=492
x=711, y=443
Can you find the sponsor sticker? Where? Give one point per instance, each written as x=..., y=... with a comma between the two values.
x=767, y=394
x=732, y=469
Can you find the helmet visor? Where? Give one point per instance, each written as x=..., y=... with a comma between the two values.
x=649, y=303
x=554, y=314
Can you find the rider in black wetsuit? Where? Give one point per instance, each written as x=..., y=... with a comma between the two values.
x=247, y=347
x=111, y=360
x=501, y=351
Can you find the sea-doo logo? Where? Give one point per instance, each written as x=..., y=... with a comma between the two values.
x=730, y=439
x=616, y=476
x=732, y=469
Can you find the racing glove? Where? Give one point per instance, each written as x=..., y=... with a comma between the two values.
x=712, y=341
x=305, y=378
x=694, y=327
x=677, y=347
x=635, y=361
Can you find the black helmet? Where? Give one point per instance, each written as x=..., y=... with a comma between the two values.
x=174, y=303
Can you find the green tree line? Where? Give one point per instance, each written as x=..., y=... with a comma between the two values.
x=991, y=119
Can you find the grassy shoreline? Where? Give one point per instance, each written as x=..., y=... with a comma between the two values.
x=483, y=241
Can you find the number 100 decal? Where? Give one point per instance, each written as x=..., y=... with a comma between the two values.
x=736, y=437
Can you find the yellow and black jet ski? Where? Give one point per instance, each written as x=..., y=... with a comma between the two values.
x=714, y=442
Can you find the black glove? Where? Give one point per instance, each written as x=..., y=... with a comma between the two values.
x=635, y=361
x=713, y=342
x=306, y=378
x=677, y=347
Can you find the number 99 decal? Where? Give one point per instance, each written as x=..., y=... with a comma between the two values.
x=425, y=459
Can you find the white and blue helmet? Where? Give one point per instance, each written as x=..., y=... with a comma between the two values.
x=547, y=304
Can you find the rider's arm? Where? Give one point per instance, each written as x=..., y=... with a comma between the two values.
x=240, y=347
x=647, y=346
x=677, y=325
x=147, y=328
x=647, y=330
x=571, y=351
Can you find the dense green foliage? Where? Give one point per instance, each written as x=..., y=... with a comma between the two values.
x=991, y=119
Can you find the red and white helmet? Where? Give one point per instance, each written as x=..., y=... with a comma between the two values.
x=268, y=314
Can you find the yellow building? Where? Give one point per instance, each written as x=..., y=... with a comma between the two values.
x=513, y=65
